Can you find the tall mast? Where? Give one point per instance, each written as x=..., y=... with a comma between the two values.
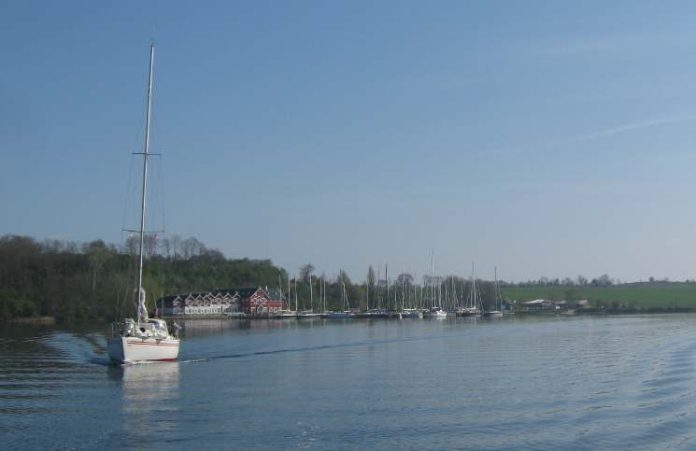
x=432, y=278
x=472, y=294
x=141, y=302
x=367, y=292
x=495, y=287
x=386, y=276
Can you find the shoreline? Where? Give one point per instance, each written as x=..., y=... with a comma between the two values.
x=50, y=320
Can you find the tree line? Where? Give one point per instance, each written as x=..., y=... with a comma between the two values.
x=78, y=281
x=95, y=280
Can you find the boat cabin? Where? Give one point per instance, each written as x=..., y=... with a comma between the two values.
x=153, y=328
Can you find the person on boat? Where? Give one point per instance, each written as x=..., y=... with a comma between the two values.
x=175, y=329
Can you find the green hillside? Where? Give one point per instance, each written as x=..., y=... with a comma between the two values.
x=640, y=296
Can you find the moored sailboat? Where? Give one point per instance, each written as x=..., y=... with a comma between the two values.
x=473, y=307
x=346, y=312
x=497, y=311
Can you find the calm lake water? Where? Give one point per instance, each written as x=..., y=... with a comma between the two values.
x=622, y=382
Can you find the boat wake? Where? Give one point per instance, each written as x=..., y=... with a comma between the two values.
x=79, y=349
x=354, y=344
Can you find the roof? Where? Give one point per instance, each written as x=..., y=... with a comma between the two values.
x=247, y=292
x=274, y=293
x=242, y=292
x=536, y=302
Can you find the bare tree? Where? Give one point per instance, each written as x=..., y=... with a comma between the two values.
x=405, y=279
x=306, y=271
x=176, y=246
x=131, y=245
x=149, y=244
x=166, y=247
x=97, y=254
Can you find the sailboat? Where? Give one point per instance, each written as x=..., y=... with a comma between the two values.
x=143, y=338
x=346, y=312
x=437, y=311
x=286, y=312
x=497, y=310
x=309, y=313
x=473, y=307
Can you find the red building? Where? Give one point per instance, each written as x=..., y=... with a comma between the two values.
x=228, y=301
x=257, y=301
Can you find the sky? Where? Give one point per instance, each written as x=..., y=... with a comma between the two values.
x=543, y=138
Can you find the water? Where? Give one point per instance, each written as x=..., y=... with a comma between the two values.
x=624, y=382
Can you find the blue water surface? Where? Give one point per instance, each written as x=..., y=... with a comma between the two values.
x=621, y=382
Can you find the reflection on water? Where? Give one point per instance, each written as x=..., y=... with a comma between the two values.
x=216, y=327
x=149, y=397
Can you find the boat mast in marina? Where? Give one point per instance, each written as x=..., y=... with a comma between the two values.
x=473, y=307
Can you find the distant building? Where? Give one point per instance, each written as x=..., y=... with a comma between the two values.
x=258, y=301
x=251, y=301
x=539, y=304
x=583, y=303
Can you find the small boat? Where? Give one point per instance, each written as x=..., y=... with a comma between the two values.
x=437, y=313
x=284, y=314
x=305, y=314
x=469, y=311
x=143, y=338
x=492, y=314
x=373, y=313
x=339, y=315
x=411, y=313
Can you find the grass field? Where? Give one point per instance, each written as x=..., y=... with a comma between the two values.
x=641, y=296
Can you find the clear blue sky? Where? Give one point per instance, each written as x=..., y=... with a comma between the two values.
x=547, y=138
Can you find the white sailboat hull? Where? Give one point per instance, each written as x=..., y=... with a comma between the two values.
x=493, y=314
x=134, y=349
x=469, y=311
x=438, y=314
x=411, y=313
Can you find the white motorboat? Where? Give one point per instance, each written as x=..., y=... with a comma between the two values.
x=143, y=338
